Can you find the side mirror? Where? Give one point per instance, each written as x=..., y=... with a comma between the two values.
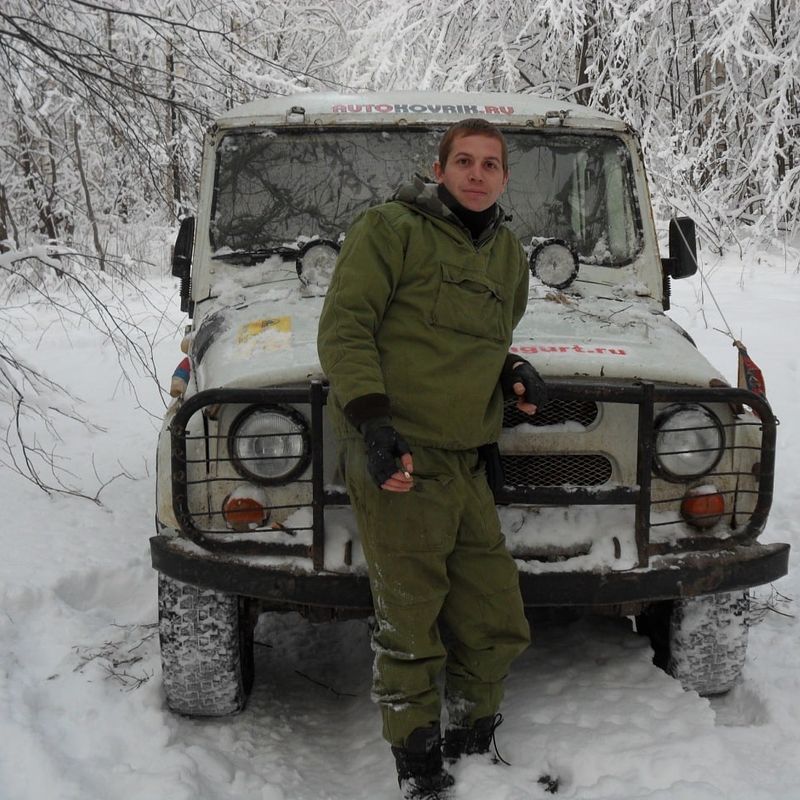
x=182, y=261
x=682, y=261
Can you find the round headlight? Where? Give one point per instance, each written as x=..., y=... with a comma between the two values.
x=554, y=263
x=689, y=441
x=315, y=263
x=269, y=444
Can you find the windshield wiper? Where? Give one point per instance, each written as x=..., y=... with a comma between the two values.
x=251, y=257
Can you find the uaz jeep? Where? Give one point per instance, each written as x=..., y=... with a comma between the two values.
x=639, y=489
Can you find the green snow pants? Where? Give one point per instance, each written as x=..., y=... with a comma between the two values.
x=437, y=554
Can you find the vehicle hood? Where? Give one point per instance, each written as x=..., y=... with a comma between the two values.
x=269, y=342
x=273, y=341
x=628, y=338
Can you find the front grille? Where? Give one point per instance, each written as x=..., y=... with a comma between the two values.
x=556, y=470
x=554, y=412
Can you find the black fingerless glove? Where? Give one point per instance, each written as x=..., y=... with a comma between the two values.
x=384, y=447
x=524, y=373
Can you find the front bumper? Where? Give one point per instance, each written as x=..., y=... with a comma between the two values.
x=668, y=577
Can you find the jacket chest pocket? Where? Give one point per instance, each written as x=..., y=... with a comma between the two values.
x=471, y=303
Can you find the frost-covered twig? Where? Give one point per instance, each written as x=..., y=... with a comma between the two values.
x=116, y=657
x=128, y=681
x=774, y=603
x=34, y=399
x=324, y=685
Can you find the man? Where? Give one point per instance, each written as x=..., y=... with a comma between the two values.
x=414, y=339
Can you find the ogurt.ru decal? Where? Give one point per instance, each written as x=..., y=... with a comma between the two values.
x=568, y=348
x=417, y=108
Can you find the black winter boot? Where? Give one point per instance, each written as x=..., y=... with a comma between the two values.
x=420, y=771
x=473, y=740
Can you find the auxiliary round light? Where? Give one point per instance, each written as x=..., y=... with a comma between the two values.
x=554, y=263
x=315, y=263
x=689, y=441
x=269, y=444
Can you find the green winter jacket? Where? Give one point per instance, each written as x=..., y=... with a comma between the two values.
x=419, y=313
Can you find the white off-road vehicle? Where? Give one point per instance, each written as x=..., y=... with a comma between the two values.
x=639, y=489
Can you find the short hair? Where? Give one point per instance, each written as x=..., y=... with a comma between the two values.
x=471, y=127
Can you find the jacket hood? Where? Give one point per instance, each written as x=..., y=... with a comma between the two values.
x=425, y=198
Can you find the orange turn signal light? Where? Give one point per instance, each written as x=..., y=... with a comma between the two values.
x=243, y=513
x=703, y=508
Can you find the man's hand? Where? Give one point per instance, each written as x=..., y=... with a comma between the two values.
x=384, y=447
x=519, y=379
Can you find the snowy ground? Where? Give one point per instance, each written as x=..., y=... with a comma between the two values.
x=80, y=688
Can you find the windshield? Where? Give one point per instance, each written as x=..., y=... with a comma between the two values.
x=275, y=188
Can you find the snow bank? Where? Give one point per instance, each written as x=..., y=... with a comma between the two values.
x=80, y=687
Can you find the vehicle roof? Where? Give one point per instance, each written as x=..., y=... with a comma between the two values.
x=395, y=107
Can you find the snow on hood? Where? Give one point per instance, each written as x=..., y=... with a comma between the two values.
x=625, y=338
x=273, y=341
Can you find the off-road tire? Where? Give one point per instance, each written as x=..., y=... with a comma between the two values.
x=708, y=641
x=701, y=641
x=206, y=649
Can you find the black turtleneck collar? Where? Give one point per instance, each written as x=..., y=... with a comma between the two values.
x=476, y=222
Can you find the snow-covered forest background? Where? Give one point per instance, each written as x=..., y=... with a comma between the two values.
x=104, y=107
x=105, y=103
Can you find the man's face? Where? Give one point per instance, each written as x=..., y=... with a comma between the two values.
x=474, y=171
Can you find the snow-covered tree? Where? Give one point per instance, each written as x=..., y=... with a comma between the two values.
x=105, y=102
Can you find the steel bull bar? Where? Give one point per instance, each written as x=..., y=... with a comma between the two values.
x=702, y=567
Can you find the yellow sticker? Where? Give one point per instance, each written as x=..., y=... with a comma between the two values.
x=259, y=326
